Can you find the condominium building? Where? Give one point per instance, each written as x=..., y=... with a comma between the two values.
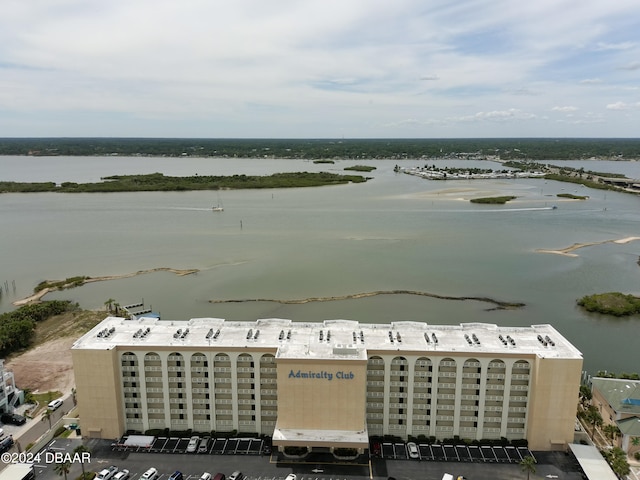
x=328, y=384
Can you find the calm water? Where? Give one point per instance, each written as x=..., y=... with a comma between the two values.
x=394, y=232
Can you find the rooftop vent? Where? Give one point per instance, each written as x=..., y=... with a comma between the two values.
x=341, y=349
x=106, y=332
x=511, y=341
x=209, y=334
x=281, y=336
x=434, y=338
x=249, y=334
x=255, y=335
x=426, y=337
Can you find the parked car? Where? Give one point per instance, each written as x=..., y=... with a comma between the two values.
x=237, y=475
x=55, y=404
x=203, y=446
x=5, y=444
x=107, y=473
x=177, y=475
x=413, y=450
x=219, y=476
x=291, y=476
x=121, y=475
x=205, y=476
x=13, y=419
x=150, y=474
x=193, y=444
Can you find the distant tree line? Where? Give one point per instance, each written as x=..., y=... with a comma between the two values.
x=508, y=148
x=18, y=327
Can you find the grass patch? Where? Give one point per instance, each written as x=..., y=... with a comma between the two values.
x=611, y=303
x=493, y=200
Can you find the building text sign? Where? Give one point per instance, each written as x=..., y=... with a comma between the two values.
x=322, y=375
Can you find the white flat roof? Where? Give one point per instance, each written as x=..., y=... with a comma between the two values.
x=333, y=339
x=592, y=462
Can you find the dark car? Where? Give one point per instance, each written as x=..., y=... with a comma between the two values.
x=13, y=419
x=176, y=475
x=5, y=444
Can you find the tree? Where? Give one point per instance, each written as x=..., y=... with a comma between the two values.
x=81, y=449
x=46, y=415
x=618, y=461
x=62, y=469
x=528, y=465
x=585, y=394
x=592, y=415
x=109, y=304
x=612, y=431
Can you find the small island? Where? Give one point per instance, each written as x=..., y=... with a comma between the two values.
x=361, y=168
x=154, y=182
x=493, y=200
x=611, y=303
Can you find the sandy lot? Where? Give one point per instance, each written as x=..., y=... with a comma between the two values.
x=47, y=367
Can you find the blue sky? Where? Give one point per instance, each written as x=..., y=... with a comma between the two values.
x=320, y=68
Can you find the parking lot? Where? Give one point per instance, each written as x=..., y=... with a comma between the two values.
x=455, y=453
x=215, y=446
x=314, y=467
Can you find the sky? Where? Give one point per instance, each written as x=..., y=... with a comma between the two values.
x=319, y=68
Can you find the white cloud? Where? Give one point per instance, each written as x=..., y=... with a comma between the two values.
x=623, y=106
x=591, y=81
x=567, y=109
x=253, y=67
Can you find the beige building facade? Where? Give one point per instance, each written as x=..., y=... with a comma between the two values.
x=328, y=384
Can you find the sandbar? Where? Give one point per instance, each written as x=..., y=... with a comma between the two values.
x=567, y=252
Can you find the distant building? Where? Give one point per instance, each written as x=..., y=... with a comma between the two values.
x=618, y=401
x=328, y=384
x=10, y=396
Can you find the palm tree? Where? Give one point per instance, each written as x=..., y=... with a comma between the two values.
x=62, y=469
x=592, y=415
x=612, y=431
x=81, y=449
x=528, y=464
x=109, y=304
x=46, y=415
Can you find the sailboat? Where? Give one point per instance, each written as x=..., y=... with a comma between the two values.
x=218, y=207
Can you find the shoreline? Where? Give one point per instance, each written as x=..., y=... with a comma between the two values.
x=567, y=251
x=37, y=297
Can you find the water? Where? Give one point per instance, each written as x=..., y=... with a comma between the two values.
x=395, y=232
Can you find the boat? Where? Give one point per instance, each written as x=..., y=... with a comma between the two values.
x=218, y=207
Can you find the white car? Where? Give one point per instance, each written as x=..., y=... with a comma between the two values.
x=193, y=444
x=205, y=476
x=150, y=474
x=107, y=473
x=291, y=476
x=413, y=450
x=121, y=475
x=55, y=404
